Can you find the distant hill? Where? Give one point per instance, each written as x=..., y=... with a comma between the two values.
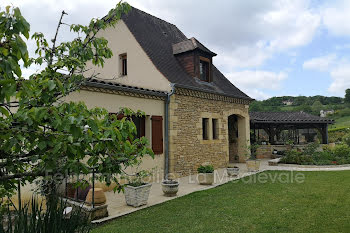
x=311, y=104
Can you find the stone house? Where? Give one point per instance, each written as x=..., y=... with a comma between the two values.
x=287, y=102
x=325, y=113
x=194, y=114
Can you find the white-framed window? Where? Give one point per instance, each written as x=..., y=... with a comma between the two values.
x=123, y=64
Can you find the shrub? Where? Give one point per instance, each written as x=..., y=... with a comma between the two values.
x=337, y=135
x=342, y=150
x=311, y=148
x=205, y=169
x=346, y=139
x=340, y=154
x=32, y=218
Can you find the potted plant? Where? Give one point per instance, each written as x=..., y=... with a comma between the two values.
x=137, y=191
x=252, y=163
x=232, y=170
x=206, y=174
x=170, y=187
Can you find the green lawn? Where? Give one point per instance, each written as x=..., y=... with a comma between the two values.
x=320, y=204
x=341, y=122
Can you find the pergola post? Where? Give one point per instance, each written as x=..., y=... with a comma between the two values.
x=325, y=134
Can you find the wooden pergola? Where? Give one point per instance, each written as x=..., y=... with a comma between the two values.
x=273, y=123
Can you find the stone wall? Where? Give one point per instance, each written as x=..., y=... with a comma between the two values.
x=264, y=152
x=187, y=148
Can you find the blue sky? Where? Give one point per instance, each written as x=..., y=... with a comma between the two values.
x=265, y=47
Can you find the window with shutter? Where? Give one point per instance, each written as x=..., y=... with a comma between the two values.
x=157, y=134
x=140, y=126
x=139, y=122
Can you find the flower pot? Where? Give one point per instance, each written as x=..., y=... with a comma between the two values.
x=253, y=165
x=232, y=171
x=206, y=178
x=170, y=187
x=99, y=196
x=137, y=196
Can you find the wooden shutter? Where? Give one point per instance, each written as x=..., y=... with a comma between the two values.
x=157, y=134
x=142, y=127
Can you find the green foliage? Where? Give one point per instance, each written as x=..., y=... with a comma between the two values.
x=342, y=150
x=297, y=157
x=251, y=151
x=312, y=104
x=337, y=135
x=205, y=169
x=33, y=218
x=347, y=96
x=138, y=179
x=346, y=138
x=340, y=154
x=40, y=134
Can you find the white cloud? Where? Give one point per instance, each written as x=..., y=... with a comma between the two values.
x=257, y=94
x=243, y=33
x=342, y=46
x=340, y=79
x=336, y=17
x=254, y=83
x=322, y=63
x=338, y=69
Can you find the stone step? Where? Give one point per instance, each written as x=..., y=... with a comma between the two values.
x=274, y=162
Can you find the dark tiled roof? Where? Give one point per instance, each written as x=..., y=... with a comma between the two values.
x=117, y=86
x=286, y=117
x=189, y=45
x=157, y=38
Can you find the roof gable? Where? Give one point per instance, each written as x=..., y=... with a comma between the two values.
x=190, y=45
x=157, y=38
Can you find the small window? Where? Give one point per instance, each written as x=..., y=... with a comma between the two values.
x=205, y=126
x=204, y=70
x=215, y=129
x=124, y=64
x=140, y=126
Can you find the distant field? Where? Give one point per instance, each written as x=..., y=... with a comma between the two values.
x=341, y=122
x=287, y=108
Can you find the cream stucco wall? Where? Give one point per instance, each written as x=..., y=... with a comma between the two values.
x=113, y=103
x=140, y=70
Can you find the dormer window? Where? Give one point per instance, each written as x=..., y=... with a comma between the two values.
x=123, y=64
x=195, y=58
x=204, y=70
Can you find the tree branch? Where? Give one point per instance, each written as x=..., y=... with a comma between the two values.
x=21, y=175
x=55, y=38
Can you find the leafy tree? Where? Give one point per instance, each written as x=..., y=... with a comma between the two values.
x=255, y=106
x=40, y=134
x=304, y=108
x=347, y=96
x=317, y=106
